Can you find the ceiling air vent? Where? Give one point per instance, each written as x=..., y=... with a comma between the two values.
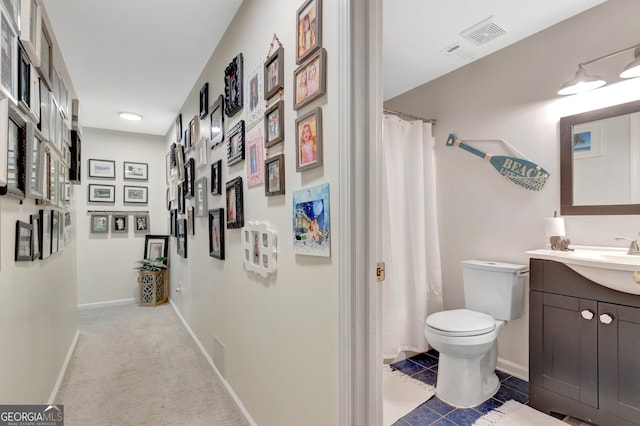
x=459, y=51
x=483, y=32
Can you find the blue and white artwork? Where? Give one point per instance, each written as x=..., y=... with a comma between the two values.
x=311, y=223
x=582, y=141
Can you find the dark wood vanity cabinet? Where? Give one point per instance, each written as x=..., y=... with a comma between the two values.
x=584, y=347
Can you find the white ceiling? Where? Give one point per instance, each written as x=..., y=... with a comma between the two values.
x=146, y=55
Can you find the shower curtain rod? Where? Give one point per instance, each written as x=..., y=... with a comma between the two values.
x=409, y=116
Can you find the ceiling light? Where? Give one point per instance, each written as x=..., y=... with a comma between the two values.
x=131, y=116
x=583, y=81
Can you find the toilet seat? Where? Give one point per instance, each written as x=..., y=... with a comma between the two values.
x=460, y=323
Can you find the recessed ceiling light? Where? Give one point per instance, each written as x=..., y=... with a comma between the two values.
x=131, y=116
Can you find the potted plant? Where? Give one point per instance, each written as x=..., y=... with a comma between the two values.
x=152, y=281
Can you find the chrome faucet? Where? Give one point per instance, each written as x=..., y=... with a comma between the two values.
x=633, y=247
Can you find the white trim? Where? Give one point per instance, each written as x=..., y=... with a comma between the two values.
x=513, y=369
x=106, y=303
x=63, y=370
x=226, y=384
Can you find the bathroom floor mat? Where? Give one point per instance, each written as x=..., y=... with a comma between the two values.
x=512, y=413
x=401, y=395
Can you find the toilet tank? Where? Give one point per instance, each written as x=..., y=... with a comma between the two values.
x=494, y=288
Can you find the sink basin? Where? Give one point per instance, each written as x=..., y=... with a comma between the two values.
x=610, y=267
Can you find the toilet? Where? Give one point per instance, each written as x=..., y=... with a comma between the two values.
x=467, y=338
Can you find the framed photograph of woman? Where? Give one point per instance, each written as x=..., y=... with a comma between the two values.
x=274, y=73
x=274, y=124
x=235, y=216
x=274, y=176
x=216, y=178
x=216, y=233
x=308, y=29
x=310, y=80
x=309, y=140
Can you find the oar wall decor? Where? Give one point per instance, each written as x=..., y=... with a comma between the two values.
x=522, y=172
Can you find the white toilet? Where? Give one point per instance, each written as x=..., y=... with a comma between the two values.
x=467, y=338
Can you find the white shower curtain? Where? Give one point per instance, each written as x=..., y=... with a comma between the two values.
x=413, y=285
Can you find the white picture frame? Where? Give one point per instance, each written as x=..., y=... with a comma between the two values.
x=8, y=52
x=30, y=29
x=259, y=246
x=591, y=136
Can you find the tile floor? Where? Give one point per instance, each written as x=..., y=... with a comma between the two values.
x=434, y=412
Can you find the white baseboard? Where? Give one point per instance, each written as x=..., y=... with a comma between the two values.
x=513, y=369
x=106, y=303
x=63, y=370
x=226, y=384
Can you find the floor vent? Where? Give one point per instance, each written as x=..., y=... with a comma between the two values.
x=459, y=51
x=483, y=32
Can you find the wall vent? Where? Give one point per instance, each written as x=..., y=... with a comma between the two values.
x=459, y=51
x=483, y=32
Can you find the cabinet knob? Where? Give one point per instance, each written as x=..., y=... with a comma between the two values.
x=636, y=276
x=606, y=319
x=587, y=314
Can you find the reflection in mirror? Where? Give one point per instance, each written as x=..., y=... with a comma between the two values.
x=600, y=161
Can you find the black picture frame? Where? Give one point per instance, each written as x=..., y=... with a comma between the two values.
x=204, y=100
x=189, y=174
x=216, y=178
x=16, y=156
x=274, y=124
x=179, y=128
x=235, y=144
x=156, y=246
x=216, y=122
x=181, y=203
x=101, y=169
x=274, y=183
x=75, y=171
x=135, y=194
x=216, y=233
x=119, y=223
x=24, y=80
x=135, y=171
x=233, y=91
x=24, y=242
x=181, y=231
x=168, y=199
x=191, y=229
x=173, y=217
x=101, y=193
x=34, y=220
x=274, y=73
x=235, y=208
x=45, y=233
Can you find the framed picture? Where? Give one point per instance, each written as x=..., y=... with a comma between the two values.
x=75, y=170
x=24, y=241
x=233, y=86
x=311, y=224
x=216, y=120
x=101, y=193
x=189, y=173
x=182, y=237
x=193, y=133
x=120, y=222
x=55, y=236
x=173, y=189
x=46, y=63
x=235, y=144
x=204, y=100
x=156, y=246
x=141, y=222
x=24, y=80
x=15, y=154
x=309, y=140
x=173, y=220
x=179, y=153
x=99, y=224
x=170, y=164
x=67, y=228
x=308, y=29
x=191, y=230
x=178, y=128
x=274, y=176
x=216, y=233
x=587, y=140
x=135, y=194
x=201, y=151
x=35, y=162
x=104, y=169
x=45, y=233
x=30, y=29
x=235, y=216
x=136, y=171
x=274, y=124
x=216, y=178
x=259, y=246
x=53, y=181
x=201, y=197
x=274, y=73
x=255, y=154
x=8, y=57
x=36, y=233
x=255, y=106
x=309, y=80
x=61, y=228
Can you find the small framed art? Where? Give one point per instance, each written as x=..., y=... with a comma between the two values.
x=189, y=173
x=216, y=122
x=67, y=228
x=24, y=241
x=310, y=80
x=135, y=194
x=233, y=92
x=216, y=178
x=36, y=232
x=45, y=233
x=204, y=100
x=24, y=80
x=181, y=200
x=99, y=224
x=309, y=140
x=103, y=169
x=259, y=246
x=274, y=124
x=308, y=29
x=55, y=230
x=35, y=162
x=216, y=233
x=193, y=133
x=191, y=230
x=156, y=246
x=181, y=230
x=120, y=222
x=141, y=223
x=179, y=153
x=235, y=144
x=235, y=216
x=178, y=128
x=255, y=106
x=201, y=151
x=101, y=193
x=136, y=171
x=255, y=163
x=274, y=73
x=311, y=221
x=201, y=197
x=274, y=176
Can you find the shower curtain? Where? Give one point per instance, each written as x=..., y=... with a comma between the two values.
x=413, y=284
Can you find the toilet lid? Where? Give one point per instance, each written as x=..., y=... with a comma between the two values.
x=461, y=322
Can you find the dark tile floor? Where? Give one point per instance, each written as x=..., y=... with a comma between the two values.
x=434, y=412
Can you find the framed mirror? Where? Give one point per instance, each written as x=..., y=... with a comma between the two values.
x=600, y=161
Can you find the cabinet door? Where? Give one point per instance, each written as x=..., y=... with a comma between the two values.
x=619, y=352
x=569, y=347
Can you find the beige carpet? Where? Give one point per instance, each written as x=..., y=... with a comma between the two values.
x=139, y=366
x=401, y=395
x=512, y=413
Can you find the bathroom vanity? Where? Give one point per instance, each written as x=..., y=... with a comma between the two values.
x=584, y=338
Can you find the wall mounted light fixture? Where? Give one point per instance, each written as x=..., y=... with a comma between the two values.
x=583, y=81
